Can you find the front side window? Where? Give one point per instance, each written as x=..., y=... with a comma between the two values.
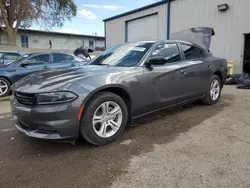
x=170, y=52
x=192, y=52
x=38, y=59
x=126, y=55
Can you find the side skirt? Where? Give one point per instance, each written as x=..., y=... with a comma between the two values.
x=170, y=106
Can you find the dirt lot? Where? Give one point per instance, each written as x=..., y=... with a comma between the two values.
x=195, y=146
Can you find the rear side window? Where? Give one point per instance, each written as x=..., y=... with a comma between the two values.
x=59, y=58
x=192, y=52
x=169, y=51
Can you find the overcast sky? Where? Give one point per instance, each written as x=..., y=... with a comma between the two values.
x=91, y=13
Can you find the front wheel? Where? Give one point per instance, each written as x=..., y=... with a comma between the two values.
x=104, y=119
x=5, y=87
x=214, y=91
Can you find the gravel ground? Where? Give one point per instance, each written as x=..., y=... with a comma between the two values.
x=194, y=146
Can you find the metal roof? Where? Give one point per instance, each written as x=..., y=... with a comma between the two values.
x=137, y=10
x=59, y=33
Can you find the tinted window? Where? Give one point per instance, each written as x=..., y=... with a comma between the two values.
x=38, y=59
x=169, y=51
x=59, y=58
x=192, y=52
x=126, y=55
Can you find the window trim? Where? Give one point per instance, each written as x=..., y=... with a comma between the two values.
x=183, y=53
x=156, y=45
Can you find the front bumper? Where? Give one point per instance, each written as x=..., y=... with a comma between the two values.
x=52, y=122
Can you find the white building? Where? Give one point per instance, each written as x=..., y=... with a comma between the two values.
x=159, y=20
x=36, y=39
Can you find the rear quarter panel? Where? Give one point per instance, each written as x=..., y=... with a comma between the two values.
x=220, y=65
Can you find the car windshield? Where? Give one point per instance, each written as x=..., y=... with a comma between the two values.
x=126, y=55
x=18, y=60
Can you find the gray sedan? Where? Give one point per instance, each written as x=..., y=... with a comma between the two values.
x=125, y=82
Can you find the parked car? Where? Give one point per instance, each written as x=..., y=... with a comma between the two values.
x=30, y=63
x=6, y=56
x=125, y=82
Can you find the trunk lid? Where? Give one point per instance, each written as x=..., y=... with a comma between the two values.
x=197, y=35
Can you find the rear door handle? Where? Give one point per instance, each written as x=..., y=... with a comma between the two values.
x=46, y=67
x=73, y=65
x=183, y=72
x=209, y=65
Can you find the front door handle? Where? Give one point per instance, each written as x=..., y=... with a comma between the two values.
x=183, y=72
x=46, y=67
x=209, y=65
x=73, y=65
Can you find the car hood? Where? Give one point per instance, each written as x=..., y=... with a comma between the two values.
x=6, y=67
x=62, y=79
x=197, y=35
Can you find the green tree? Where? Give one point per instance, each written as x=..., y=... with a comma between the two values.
x=23, y=13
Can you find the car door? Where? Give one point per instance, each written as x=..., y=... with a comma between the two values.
x=35, y=63
x=199, y=67
x=60, y=60
x=165, y=84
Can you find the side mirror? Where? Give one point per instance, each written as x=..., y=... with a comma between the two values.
x=25, y=64
x=158, y=60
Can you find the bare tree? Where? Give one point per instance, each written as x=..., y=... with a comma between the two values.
x=23, y=13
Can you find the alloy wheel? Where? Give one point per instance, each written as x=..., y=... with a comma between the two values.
x=107, y=119
x=215, y=90
x=3, y=87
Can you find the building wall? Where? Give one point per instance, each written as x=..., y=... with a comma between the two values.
x=229, y=26
x=115, y=29
x=39, y=40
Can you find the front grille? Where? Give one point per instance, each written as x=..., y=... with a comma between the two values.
x=26, y=99
x=45, y=129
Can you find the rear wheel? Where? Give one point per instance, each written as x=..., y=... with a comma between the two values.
x=214, y=91
x=104, y=118
x=5, y=87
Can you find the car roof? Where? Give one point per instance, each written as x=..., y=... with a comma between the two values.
x=1, y=51
x=167, y=41
x=38, y=53
x=160, y=41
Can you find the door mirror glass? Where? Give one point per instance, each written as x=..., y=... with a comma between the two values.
x=157, y=60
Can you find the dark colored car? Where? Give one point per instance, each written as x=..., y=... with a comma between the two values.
x=125, y=82
x=6, y=56
x=31, y=63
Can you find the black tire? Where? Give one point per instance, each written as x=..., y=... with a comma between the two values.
x=208, y=99
x=7, y=91
x=86, y=127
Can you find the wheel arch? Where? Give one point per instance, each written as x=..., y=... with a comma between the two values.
x=6, y=78
x=219, y=74
x=118, y=90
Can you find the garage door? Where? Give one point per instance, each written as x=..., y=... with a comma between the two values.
x=145, y=28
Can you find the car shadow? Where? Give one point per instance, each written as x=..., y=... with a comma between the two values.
x=159, y=127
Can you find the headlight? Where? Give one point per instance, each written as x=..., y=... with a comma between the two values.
x=56, y=97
